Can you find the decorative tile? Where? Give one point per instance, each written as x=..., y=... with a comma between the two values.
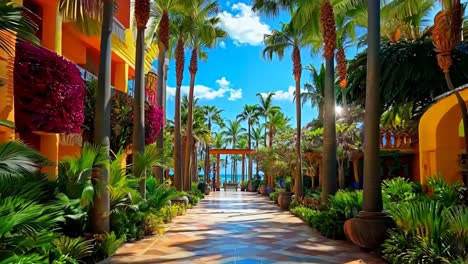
x=240, y=228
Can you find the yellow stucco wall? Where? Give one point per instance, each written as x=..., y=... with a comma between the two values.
x=439, y=140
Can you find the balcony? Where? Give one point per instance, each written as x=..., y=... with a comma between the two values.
x=119, y=30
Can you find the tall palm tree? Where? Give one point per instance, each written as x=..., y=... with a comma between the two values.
x=181, y=25
x=327, y=19
x=276, y=43
x=265, y=108
x=160, y=33
x=257, y=137
x=142, y=14
x=204, y=34
x=103, y=10
x=211, y=114
x=249, y=114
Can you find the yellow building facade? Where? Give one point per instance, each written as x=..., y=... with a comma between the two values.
x=63, y=38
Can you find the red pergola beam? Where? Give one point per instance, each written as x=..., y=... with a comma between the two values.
x=232, y=151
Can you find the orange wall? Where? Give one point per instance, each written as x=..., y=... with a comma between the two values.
x=123, y=13
x=72, y=47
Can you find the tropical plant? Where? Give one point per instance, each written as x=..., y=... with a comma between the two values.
x=78, y=178
x=76, y=248
x=266, y=108
x=12, y=21
x=212, y=114
x=250, y=114
x=315, y=90
x=205, y=33
x=85, y=14
x=160, y=194
x=142, y=14
x=18, y=160
x=277, y=42
x=110, y=243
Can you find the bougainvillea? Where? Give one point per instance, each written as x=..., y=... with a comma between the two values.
x=49, y=91
x=153, y=123
x=122, y=119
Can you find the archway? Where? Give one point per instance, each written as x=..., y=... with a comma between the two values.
x=219, y=152
x=440, y=144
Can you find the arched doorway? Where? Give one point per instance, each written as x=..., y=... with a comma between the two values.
x=440, y=143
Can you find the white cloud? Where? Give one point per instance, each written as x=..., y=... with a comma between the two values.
x=282, y=95
x=208, y=93
x=243, y=25
x=222, y=44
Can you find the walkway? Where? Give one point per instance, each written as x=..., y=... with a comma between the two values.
x=239, y=227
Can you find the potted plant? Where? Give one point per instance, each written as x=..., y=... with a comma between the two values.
x=244, y=185
x=262, y=189
x=285, y=196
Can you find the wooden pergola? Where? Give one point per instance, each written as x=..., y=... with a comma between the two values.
x=219, y=152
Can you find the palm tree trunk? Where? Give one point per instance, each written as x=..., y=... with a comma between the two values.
x=207, y=157
x=194, y=163
x=193, y=71
x=180, y=61
x=329, y=133
x=298, y=184
x=139, y=108
x=160, y=104
x=102, y=128
x=250, y=156
x=372, y=196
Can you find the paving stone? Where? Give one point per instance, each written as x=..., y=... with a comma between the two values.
x=240, y=228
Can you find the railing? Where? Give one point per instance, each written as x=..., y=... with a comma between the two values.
x=391, y=139
x=119, y=30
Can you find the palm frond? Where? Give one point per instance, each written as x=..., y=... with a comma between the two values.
x=18, y=160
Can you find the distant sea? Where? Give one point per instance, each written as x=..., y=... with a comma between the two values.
x=230, y=178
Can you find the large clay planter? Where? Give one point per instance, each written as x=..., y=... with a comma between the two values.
x=284, y=200
x=262, y=190
x=269, y=190
x=368, y=230
x=207, y=189
x=250, y=187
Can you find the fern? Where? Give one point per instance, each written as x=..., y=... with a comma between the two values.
x=76, y=248
x=110, y=244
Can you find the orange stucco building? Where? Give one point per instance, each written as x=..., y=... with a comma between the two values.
x=63, y=38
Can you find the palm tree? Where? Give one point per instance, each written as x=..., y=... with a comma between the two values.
x=204, y=34
x=327, y=20
x=265, y=108
x=257, y=137
x=249, y=114
x=103, y=10
x=233, y=133
x=211, y=114
x=160, y=33
x=315, y=90
x=142, y=13
x=181, y=25
x=276, y=43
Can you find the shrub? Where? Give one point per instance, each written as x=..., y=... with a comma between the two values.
x=274, y=196
x=152, y=224
x=49, y=91
x=398, y=190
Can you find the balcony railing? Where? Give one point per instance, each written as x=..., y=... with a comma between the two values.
x=119, y=30
x=397, y=139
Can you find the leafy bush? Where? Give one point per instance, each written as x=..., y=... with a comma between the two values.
x=76, y=248
x=49, y=91
x=443, y=192
x=152, y=224
x=428, y=232
x=109, y=244
x=398, y=190
x=159, y=197
x=168, y=213
x=274, y=196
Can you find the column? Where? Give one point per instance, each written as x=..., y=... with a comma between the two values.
x=217, y=172
x=121, y=77
x=52, y=27
x=243, y=167
x=49, y=147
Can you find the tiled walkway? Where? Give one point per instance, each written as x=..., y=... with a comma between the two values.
x=239, y=227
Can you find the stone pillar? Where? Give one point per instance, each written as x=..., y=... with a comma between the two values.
x=217, y=173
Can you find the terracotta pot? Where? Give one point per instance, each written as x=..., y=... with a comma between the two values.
x=269, y=190
x=284, y=200
x=207, y=189
x=368, y=230
x=250, y=188
x=262, y=190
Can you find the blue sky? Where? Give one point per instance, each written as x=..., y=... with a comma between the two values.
x=235, y=70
